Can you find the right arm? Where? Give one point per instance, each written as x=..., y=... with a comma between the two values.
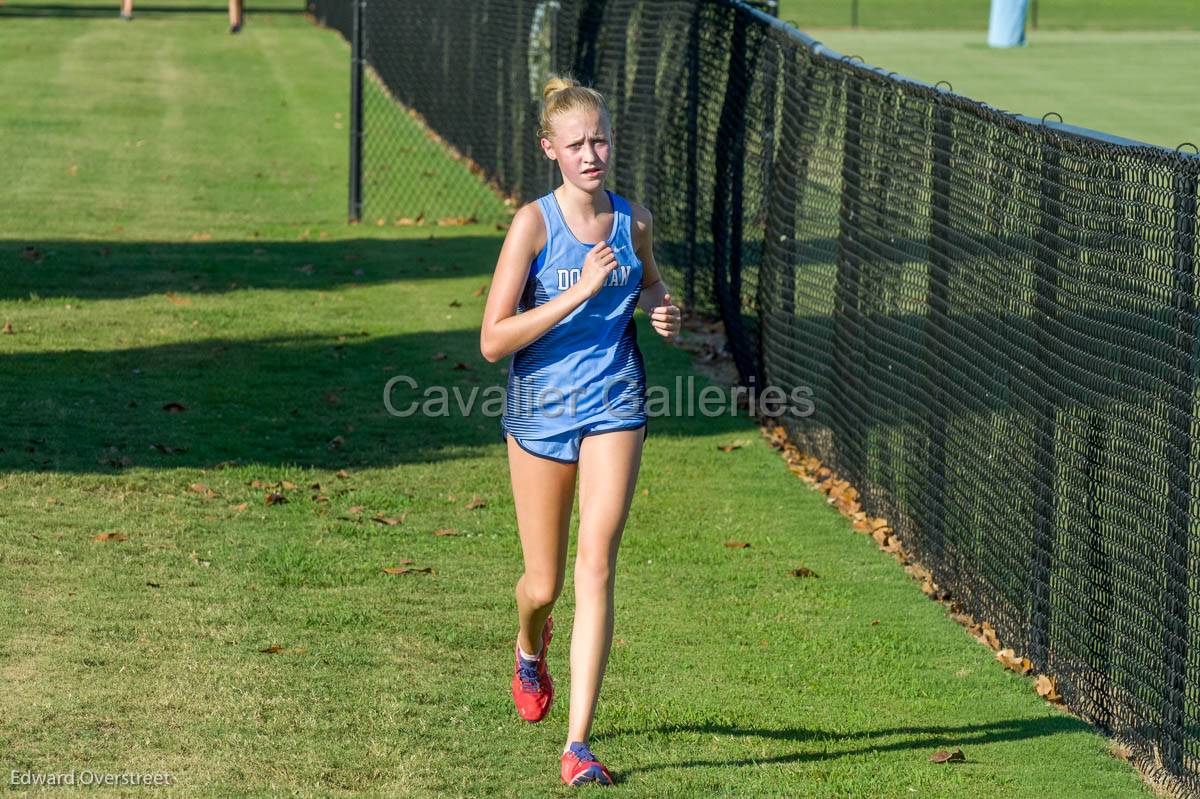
x=504, y=331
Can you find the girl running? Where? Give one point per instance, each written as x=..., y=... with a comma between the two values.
x=573, y=268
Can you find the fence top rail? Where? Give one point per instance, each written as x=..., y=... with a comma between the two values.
x=1073, y=130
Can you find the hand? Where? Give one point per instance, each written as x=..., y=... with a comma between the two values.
x=665, y=318
x=597, y=266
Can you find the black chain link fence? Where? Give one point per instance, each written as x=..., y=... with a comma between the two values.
x=996, y=316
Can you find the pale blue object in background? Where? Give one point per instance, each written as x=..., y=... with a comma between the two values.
x=1006, y=27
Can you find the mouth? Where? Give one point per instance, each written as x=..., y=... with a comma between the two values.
x=592, y=172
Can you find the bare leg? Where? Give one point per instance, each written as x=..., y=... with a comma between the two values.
x=235, y=13
x=608, y=469
x=127, y=8
x=543, y=491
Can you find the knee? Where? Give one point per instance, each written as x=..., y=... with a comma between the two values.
x=593, y=574
x=540, y=593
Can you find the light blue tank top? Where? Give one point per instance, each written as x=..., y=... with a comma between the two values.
x=588, y=366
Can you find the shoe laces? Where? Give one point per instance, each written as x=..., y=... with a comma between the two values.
x=581, y=751
x=531, y=679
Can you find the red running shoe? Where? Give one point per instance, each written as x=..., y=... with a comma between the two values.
x=580, y=766
x=532, y=688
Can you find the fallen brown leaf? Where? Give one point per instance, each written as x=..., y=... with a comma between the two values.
x=1047, y=689
x=737, y=544
x=476, y=502
x=275, y=498
x=730, y=447
x=803, y=571
x=111, y=537
x=201, y=488
x=1010, y=660
x=390, y=521
x=445, y=531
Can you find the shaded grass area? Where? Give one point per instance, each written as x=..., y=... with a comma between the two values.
x=728, y=677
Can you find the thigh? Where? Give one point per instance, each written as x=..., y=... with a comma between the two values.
x=543, y=492
x=608, y=470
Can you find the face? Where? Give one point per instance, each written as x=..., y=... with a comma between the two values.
x=581, y=145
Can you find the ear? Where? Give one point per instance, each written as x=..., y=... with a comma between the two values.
x=548, y=148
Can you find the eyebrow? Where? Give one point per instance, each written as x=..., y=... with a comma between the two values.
x=580, y=139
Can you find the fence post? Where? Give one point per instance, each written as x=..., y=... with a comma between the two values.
x=1046, y=411
x=937, y=332
x=785, y=191
x=1179, y=499
x=1099, y=564
x=357, y=56
x=727, y=214
x=693, y=147
x=847, y=316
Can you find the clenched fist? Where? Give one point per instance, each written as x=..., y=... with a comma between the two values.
x=666, y=318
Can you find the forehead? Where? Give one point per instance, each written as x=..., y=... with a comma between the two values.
x=579, y=124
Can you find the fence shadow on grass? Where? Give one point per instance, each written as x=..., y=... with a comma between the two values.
x=923, y=739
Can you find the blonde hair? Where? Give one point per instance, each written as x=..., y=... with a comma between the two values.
x=562, y=94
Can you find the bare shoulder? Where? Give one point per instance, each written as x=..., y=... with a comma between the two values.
x=528, y=225
x=642, y=223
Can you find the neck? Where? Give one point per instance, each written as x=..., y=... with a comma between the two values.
x=587, y=204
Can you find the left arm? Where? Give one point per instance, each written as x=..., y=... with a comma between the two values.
x=655, y=298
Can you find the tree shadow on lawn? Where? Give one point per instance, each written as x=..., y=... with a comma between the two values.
x=308, y=400
x=114, y=270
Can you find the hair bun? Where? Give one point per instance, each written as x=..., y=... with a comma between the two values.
x=556, y=84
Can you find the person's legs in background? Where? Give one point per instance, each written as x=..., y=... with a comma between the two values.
x=235, y=16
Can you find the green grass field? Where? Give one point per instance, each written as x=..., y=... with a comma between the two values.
x=175, y=235
x=1145, y=98
x=1077, y=15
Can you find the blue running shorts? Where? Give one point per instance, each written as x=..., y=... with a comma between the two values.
x=564, y=447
